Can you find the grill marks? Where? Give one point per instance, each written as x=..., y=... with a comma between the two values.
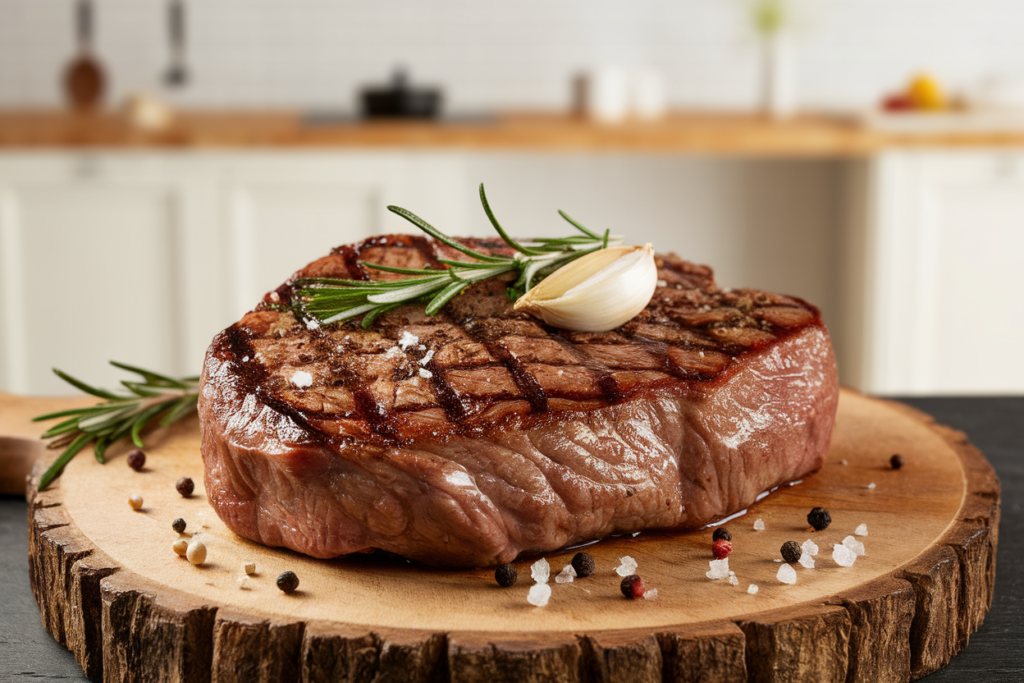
x=478, y=363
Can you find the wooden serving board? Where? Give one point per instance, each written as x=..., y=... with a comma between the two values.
x=110, y=588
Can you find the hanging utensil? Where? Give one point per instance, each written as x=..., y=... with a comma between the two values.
x=84, y=79
x=177, y=73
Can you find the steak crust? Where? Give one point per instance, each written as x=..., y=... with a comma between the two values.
x=476, y=435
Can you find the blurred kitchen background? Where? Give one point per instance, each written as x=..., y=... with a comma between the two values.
x=163, y=163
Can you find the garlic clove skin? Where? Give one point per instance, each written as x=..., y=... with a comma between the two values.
x=597, y=292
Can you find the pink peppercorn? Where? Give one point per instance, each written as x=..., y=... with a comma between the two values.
x=721, y=549
x=632, y=587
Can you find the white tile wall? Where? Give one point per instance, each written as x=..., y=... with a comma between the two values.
x=489, y=55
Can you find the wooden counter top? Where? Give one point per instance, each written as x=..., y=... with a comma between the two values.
x=678, y=133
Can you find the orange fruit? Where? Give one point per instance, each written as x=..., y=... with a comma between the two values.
x=925, y=93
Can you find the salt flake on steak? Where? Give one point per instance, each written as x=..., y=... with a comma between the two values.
x=408, y=339
x=302, y=379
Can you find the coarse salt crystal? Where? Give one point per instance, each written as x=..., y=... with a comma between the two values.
x=810, y=547
x=701, y=354
x=391, y=353
x=853, y=544
x=842, y=555
x=862, y=530
x=426, y=358
x=759, y=524
x=662, y=283
x=302, y=379
x=312, y=324
x=871, y=486
x=806, y=560
x=566, y=575
x=540, y=571
x=651, y=594
x=421, y=347
x=426, y=374
x=245, y=359
x=408, y=339
x=786, y=574
x=752, y=589
x=719, y=569
x=275, y=297
x=627, y=566
x=733, y=581
x=539, y=594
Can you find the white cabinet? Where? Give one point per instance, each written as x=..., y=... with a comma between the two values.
x=91, y=251
x=936, y=277
x=144, y=257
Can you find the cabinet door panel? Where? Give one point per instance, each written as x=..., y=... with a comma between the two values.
x=979, y=320
x=276, y=229
x=941, y=274
x=86, y=278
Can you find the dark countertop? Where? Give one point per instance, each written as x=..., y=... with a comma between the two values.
x=995, y=652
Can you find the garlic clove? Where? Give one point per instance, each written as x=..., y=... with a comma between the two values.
x=597, y=292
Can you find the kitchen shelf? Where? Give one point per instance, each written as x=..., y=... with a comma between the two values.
x=699, y=133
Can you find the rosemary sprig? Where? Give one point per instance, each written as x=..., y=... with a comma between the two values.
x=328, y=300
x=119, y=416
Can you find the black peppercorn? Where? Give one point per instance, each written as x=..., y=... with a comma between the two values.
x=819, y=519
x=721, y=533
x=632, y=587
x=791, y=552
x=583, y=563
x=288, y=582
x=505, y=575
x=178, y=525
x=896, y=461
x=137, y=460
x=185, y=486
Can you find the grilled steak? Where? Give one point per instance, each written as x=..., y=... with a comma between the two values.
x=467, y=438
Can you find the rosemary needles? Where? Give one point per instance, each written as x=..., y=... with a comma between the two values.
x=328, y=300
x=119, y=416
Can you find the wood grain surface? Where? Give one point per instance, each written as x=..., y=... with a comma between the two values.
x=111, y=590
x=715, y=133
